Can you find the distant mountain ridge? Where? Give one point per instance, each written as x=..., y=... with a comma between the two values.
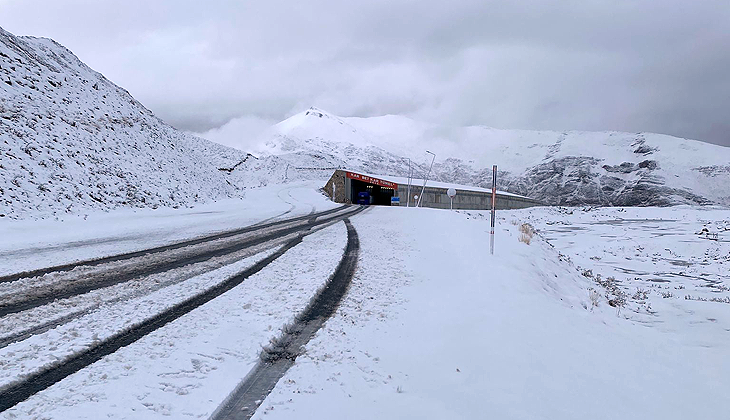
x=561, y=168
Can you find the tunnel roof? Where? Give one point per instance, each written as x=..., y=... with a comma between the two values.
x=435, y=184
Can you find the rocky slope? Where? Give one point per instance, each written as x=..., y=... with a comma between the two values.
x=72, y=141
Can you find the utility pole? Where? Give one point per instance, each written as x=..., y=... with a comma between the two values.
x=420, y=197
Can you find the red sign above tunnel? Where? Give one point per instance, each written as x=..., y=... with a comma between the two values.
x=371, y=180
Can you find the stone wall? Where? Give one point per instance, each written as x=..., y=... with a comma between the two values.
x=337, y=182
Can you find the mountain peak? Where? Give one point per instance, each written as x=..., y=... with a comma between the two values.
x=320, y=113
x=313, y=118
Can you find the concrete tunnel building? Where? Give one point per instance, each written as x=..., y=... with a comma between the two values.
x=346, y=186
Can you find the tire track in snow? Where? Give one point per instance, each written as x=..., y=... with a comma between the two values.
x=19, y=391
x=115, y=275
x=277, y=358
x=291, y=208
x=42, y=323
x=129, y=255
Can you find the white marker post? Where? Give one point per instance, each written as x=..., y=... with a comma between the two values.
x=451, y=192
x=334, y=191
x=494, y=207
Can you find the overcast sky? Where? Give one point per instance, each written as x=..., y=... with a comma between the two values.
x=630, y=65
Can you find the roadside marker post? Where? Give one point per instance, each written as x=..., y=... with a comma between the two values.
x=494, y=205
x=410, y=179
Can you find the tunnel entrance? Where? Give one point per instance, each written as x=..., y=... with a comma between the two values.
x=366, y=193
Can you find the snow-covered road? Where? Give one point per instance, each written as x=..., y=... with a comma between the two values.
x=309, y=259
x=71, y=285
x=32, y=244
x=38, y=345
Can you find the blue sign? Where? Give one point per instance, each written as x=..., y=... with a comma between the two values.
x=395, y=201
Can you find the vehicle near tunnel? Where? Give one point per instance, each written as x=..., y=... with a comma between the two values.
x=363, y=197
x=350, y=187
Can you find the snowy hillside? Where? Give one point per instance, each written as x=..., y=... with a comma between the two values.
x=71, y=141
x=573, y=168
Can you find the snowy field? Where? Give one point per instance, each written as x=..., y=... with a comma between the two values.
x=31, y=244
x=669, y=265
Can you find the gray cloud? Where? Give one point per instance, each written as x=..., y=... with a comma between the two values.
x=626, y=65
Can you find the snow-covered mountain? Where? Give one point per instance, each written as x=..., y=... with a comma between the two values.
x=567, y=168
x=71, y=140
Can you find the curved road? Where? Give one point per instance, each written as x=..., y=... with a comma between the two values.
x=195, y=250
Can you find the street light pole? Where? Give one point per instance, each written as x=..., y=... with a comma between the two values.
x=420, y=197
